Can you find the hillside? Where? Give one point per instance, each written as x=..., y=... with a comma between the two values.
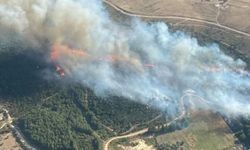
x=54, y=112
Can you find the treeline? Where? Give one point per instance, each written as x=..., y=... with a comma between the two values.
x=70, y=120
x=168, y=146
x=173, y=126
x=119, y=113
x=241, y=129
x=57, y=115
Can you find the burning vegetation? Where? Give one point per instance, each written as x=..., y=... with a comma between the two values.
x=60, y=71
x=64, y=50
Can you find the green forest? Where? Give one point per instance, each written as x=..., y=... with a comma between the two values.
x=58, y=124
x=57, y=115
x=241, y=128
x=64, y=121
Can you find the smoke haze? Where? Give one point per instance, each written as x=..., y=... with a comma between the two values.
x=144, y=63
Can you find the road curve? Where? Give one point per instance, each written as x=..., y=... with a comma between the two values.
x=183, y=108
x=135, y=126
x=19, y=133
x=106, y=144
x=173, y=17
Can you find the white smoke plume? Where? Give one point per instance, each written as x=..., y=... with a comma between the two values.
x=144, y=63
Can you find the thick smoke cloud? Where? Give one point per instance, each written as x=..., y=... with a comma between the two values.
x=144, y=63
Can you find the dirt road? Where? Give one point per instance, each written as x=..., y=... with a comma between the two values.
x=106, y=144
x=135, y=126
x=17, y=130
x=173, y=17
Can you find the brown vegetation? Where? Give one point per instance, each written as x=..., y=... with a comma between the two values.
x=207, y=131
x=233, y=14
x=7, y=142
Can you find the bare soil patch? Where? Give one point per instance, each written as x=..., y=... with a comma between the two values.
x=140, y=145
x=8, y=142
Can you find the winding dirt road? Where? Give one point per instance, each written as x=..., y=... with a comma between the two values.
x=173, y=17
x=135, y=126
x=106, y=144
x=19, y=133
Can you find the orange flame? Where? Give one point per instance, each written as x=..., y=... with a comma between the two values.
x=58, y=68
x=149, y=65
x=59, y=50
x=62, y=50
x=108, y=59
x=54, y=54
x=62, y=74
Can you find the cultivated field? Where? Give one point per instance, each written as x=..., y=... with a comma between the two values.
x=207, y=131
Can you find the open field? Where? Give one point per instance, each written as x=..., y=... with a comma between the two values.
x=139, y=145
x=207, y=131
x=233, y=14
x=8, y=142
x=235, y=45
x=236, y=15
x=168, y=7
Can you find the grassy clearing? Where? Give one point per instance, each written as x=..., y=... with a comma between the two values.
x=207, y=131
x=186, y=8
x=235, y=15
